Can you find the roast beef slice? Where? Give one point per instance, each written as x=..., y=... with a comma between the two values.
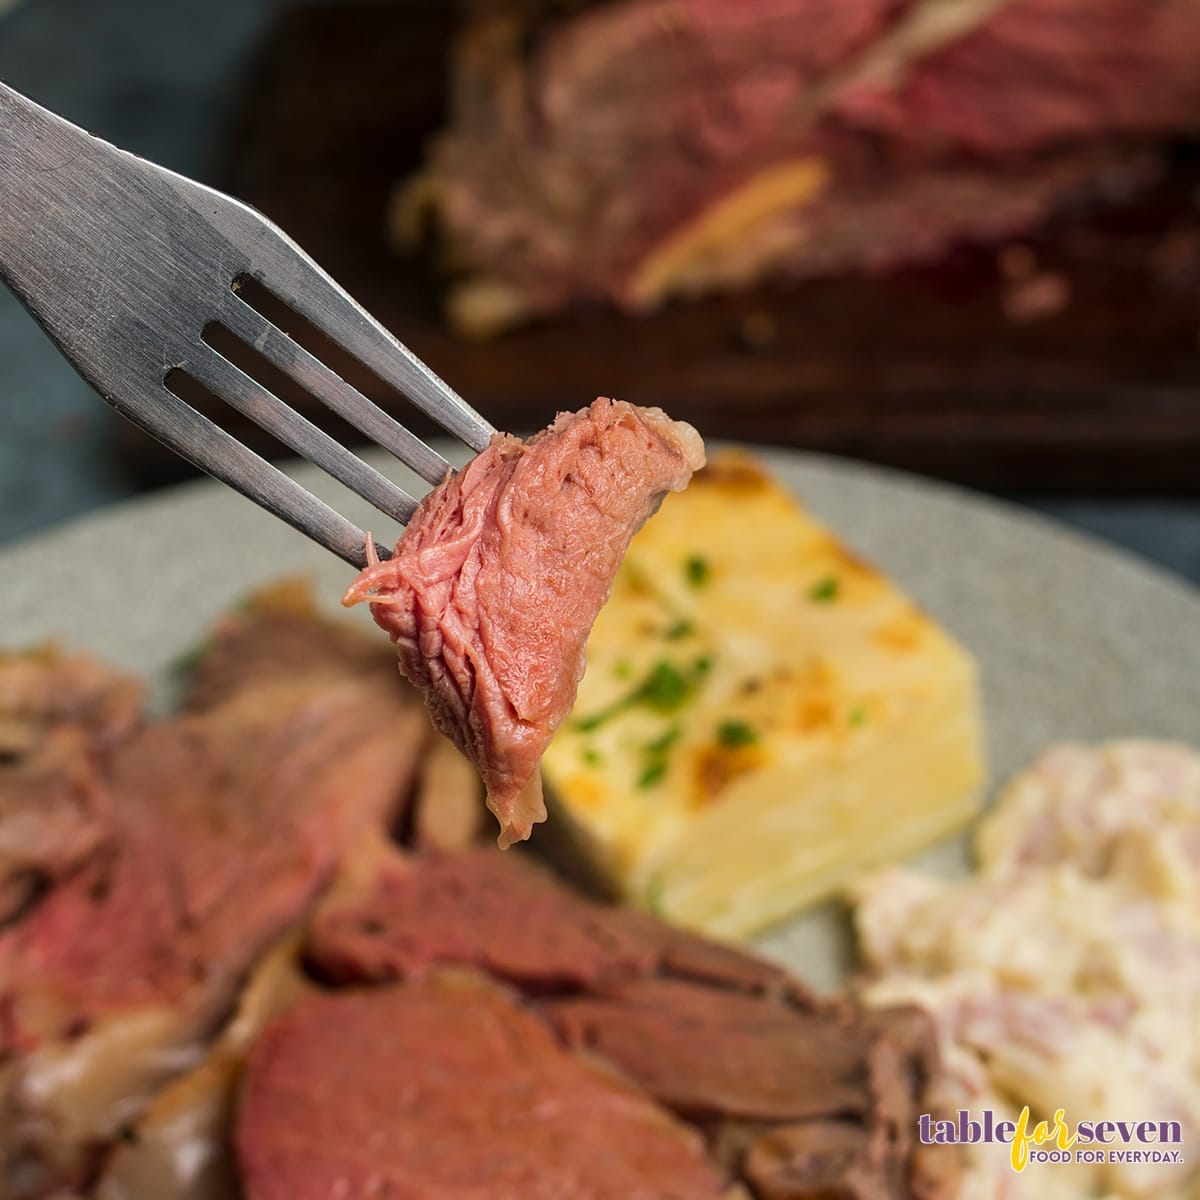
x=493, y=588
x=510, y=917
x=761, y=1058
x=1000, y=90
x=437, y=1089
x=479, y=909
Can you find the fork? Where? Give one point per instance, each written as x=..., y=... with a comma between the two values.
x=129, y=267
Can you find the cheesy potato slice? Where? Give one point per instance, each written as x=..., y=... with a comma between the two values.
x=763, y=715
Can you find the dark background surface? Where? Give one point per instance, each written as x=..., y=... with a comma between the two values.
x=160, y=79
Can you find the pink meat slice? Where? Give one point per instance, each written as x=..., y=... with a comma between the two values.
x=510, y=918
x=226, y=823
x=436, y=1090
x=480, y=909
x=493, y=588
x=761, y=1059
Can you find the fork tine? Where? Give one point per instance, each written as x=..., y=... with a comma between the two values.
x=286, y=271
x=237, y=389
x=206, y=445
x=334, y=392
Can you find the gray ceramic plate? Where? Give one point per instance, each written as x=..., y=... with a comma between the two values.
x=1075, y=641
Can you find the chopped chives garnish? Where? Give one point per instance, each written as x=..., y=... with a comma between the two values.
x=666, y=688
x=735, y=733
x=661, y=744
x=825, y=590
x=652, y=774
x=697, y=570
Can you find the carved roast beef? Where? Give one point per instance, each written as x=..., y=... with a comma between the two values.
x=278, y=973
x=221, y=827
x=802, y=1098
x=632, y=150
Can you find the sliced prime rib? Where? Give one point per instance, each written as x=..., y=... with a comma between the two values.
x=404, y=917
x=449, y=1088
x=225, y=823
x=60, y=719
x=633, y=150
x=756, y=1050
x=782, y=1084
x=493, y=588
x=472, y=910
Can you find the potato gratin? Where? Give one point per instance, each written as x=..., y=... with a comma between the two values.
x=763, y=714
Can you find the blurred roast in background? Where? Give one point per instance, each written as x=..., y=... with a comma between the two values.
x=631, y=152
x=959, y=236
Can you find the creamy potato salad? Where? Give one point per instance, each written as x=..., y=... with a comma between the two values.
x=1064, y=976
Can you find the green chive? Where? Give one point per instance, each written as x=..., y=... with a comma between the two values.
x=592, y=757
x=825, y=590
x=680, y=629
x=662, y=744
x=652, y=774
x=697, y=570
x=665, y=689
x=735, y=733
x=587, y=724
x=858, y=716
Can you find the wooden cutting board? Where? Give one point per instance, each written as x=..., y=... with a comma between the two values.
x=924, y=370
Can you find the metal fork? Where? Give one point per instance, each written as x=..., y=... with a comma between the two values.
x=126, y=265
